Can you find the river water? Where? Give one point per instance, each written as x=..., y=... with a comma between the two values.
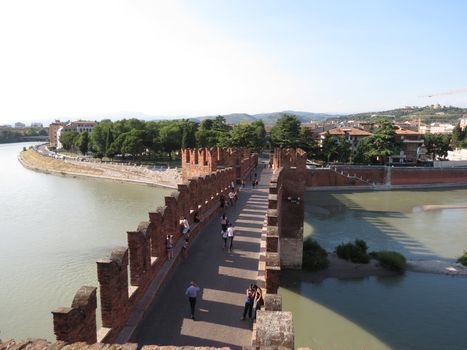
x=413, y=311
x=52, y=231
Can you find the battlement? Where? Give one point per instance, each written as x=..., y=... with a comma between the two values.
x=203, y=161
x=289, y=157
x=146, y=256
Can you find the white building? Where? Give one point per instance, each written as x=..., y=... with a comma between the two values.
x=436, y=128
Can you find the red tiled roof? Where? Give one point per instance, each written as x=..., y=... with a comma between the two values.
x=406, y=132
x=347, y=131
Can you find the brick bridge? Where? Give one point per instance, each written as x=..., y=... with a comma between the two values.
x=147, y=306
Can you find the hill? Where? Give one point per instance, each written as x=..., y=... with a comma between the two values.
x=427, y=114
x=270, y=118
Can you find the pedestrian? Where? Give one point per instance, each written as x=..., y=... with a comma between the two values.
x=256, y=183
x=224, y=235
x=185, y=248
x=259, y=301
x=185, y=225
x=231, y=198
x=230, y=236
x=169, y=246
x=253, y=182
x=222, y=201
x=249, y=299
x=195, y=217
x=232, y=184
x=192, y=292
x=224, y=222
x=243, y=183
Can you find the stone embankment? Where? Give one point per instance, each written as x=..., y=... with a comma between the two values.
x=109, y=171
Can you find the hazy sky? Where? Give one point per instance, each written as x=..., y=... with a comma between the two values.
x=82, y=59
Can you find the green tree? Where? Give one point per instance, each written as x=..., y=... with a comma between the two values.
x=459, y=137
x=98, y=136
x=133, y=142
x=437, y=145
x=68, y=139
x=286, y=132
x=170, y=136
x=378, y=147
x=82, y=142
x=308, y=144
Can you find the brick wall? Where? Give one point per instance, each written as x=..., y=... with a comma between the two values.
x=145, y=257
x=203, y=161
x=395, y=176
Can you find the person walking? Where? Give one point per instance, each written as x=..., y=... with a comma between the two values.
x=192, y=292
x=224, y=222
x=249, y=299
x=230, y=236
x=185, y=226
x=186, y=244
x=169, y=246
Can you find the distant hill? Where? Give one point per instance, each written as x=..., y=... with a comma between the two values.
x=426, y=114
x=270, y=118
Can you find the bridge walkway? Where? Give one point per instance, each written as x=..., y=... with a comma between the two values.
x=222, y=276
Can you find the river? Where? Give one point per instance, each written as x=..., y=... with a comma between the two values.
x=52, y=231
x=412, y=311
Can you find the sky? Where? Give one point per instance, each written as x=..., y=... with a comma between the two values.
x=88, y=59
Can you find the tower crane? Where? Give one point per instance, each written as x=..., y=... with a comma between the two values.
x=451, y=92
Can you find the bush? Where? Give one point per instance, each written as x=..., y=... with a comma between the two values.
x=463, y=259
x=390, y=260
x=355, y=252
x=315, y=258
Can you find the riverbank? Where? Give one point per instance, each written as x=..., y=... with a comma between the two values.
x=343, y=269
x=32, y=160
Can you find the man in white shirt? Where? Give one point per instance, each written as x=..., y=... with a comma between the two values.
x=230, y=236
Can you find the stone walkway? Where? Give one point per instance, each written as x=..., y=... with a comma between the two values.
x=222, y=276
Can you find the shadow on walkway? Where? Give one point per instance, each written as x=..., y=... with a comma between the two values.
x=222, y=276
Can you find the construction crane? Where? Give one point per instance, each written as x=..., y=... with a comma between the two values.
x=452, y=92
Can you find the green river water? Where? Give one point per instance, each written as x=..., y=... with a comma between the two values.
x=413, y=311
x=52, y=231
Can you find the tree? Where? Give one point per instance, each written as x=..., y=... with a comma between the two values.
x=378, y=147
x=82, y=142
x=170, y=136
x=286, y=132
x=335, y=148
x=459, y=137
x=133, y=142
x=68, y=139
x=308, y=144
x=98, y=136
x=437, y=145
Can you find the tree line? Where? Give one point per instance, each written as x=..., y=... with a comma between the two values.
x=157, y=139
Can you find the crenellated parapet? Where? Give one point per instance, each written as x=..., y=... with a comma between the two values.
x=204, y=161
x=289, y=158
x=78, y=322
x=144, y=258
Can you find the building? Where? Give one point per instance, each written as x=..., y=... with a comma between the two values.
x=411, y=146
x=436, y=128
x=53, y=129
x=353, y=135
x=36, y=125
x=80, y=126
x=19, y=125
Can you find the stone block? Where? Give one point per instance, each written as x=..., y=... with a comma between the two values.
x=274, y=328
